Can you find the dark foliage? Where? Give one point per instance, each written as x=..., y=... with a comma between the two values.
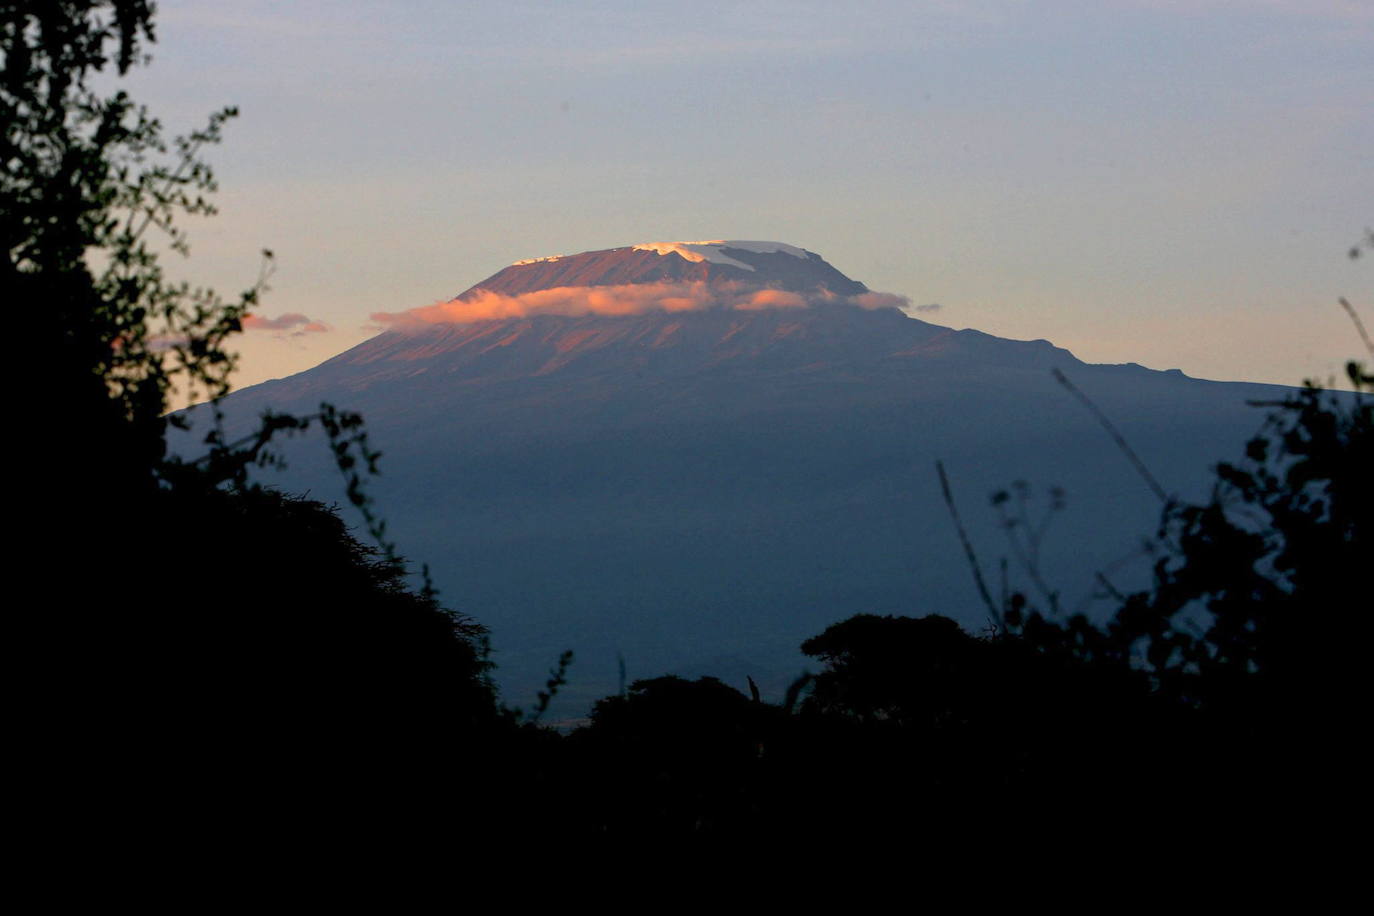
x=288, y=665
x=673, y=757
x=211, y=664
x=206, y=657
x=915, y=732
x=1258, y=616
x=1253, y=637
x=1211, y=715
x=900, y=670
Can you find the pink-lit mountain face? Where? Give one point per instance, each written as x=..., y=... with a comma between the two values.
x=695, y=455
x=670, y=346
x=771, y=265
x=651, y=278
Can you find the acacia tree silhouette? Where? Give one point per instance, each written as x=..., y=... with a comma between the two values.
x=215, y=648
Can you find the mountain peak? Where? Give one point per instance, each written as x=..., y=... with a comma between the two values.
x=651, y=452
x=650, y=277
x=714, y=250
x=716, y=262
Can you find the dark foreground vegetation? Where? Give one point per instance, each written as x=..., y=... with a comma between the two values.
x=209, y=660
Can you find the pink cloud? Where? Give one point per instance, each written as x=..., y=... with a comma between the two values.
x=293, y=323
x=628, y=299
x=772, y=299
x=873, y=300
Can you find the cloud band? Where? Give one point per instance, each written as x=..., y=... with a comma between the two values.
x=293, y=323
x=628, y=299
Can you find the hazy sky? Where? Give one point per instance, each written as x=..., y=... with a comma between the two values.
x=1170, y=183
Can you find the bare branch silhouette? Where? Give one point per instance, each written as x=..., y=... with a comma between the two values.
x=968, y=546
x=1116, y=436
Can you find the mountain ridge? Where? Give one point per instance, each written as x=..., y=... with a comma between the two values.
x=755, y=264
x=678, y=487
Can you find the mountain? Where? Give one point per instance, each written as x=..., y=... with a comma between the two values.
x=693, y=456
x=762, y=264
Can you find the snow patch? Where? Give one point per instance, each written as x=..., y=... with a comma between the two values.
x=710, y=250
x=552, y=257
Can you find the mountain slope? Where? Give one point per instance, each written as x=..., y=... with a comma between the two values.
x=700, y=490
x=771, y=264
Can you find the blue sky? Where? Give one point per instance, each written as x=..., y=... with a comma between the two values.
x=1168, y=183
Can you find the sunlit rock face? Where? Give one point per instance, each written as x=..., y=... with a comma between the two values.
x=764, y=264
x=694, y=455
x=652, y=277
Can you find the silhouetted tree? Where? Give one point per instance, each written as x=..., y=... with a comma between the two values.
x=290, y=664
x=1254, y=633
x=902, y=670
x=673, y=756
x=961, y=715
x=204, y=650
x=1256, y=583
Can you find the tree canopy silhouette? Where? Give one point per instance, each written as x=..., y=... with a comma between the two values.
x=1254, y=631
x=221, y=650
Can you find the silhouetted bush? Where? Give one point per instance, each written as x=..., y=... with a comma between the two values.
x=1254, y=633
x=673, y=756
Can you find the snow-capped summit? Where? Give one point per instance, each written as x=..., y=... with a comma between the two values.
x=751, y=264
x=714, y=251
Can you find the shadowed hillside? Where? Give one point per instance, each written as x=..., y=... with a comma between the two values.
x=698, y=492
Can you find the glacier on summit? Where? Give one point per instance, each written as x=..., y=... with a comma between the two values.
x=713, y=250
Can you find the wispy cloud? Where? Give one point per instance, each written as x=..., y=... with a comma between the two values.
x=292, y=324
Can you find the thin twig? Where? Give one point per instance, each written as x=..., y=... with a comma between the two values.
x=968, y=546
x=1101, y=578
x=1110, y=588
x=1112, y=431
x=794, y=690
x=1359, y=325
x=1028, y=555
